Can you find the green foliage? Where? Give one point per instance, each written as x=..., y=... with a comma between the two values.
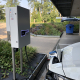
x=54, y=12
x=34, y=14
x=6, y=56
x=10, y=3
x=43, y=10
x=47, y=29
x=61, y=26
x=76, y=28
x=33, y=25
x=57, y=20
x=2, y=17
x=39, y=18
x=37, y=5
x=5, y=74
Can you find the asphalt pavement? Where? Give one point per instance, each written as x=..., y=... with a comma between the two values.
x=43, y=45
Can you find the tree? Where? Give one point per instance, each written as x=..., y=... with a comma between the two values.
x=45, y=9
x=10, y=3
x=36, y=4
x=54, y=13
x=45, y=12
x=1, y=12
x=34, y=14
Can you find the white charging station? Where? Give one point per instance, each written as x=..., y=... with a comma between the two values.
x=18, y=23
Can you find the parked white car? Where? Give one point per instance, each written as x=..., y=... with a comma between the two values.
x=66, y=64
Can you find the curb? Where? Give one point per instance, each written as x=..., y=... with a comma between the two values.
x=44, y=36
x=61, y=34
x=56, y=45
x=37, y=69
x=58, y=41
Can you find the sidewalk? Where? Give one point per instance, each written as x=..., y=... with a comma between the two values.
x=68, y=39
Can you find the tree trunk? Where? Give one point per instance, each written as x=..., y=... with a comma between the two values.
x=34, y=20
x=60, y=15
x=43, y=21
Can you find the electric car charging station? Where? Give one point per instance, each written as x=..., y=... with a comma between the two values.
x=18, y=24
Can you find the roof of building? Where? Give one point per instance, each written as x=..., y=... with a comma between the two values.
x=68, y=7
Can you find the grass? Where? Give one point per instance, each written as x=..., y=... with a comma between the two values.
x=6, y=57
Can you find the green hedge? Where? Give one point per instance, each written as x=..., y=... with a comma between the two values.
x=6, y=57
x=47, y=29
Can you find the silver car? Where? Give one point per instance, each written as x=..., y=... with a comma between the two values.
x=66, y=64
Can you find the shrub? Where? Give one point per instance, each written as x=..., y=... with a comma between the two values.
x=6, y=56
x=33, y=25
x=76, y=28
x=55, y=28
x=47, y=29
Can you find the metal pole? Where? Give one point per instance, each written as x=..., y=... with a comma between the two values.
x=8, y=35
x=26, y=53
x=13, y=61
x=21, y=60
x=79, y=28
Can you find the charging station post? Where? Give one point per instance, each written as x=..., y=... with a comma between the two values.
x=21, y=60
x=13, y=61
x=18, y=23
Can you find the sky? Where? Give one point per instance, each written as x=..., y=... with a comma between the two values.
x=23, y=3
